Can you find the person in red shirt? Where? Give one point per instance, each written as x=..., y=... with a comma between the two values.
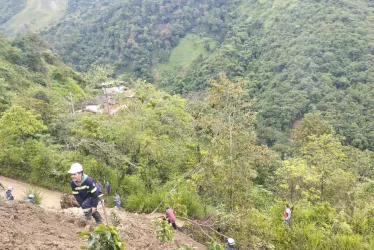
x=287, y=215
x=170, y=216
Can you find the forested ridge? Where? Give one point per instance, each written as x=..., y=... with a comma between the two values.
x=278, y=112
x=132, y=35
x=10, y=8
x=295, y=56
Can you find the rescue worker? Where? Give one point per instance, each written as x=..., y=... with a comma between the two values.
x=99, y=188
x=230, y=244
x=108, y=187
x=8, y=194
x=85, y=192
x=30, y=198
x=170, y=216
x=99, y=193
x=117, y=199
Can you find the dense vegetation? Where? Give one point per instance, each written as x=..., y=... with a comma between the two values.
x=295, y=56
x=290, y=120
x=10, y=8
x=132, y=35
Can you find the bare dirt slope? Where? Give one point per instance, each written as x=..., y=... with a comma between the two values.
x=25, y=226
x=28, y=227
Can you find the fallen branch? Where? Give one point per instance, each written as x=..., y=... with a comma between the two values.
x=202, y=225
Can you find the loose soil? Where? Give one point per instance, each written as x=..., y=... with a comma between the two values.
x=28, y=227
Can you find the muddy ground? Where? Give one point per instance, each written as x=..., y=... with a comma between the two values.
x=28, y=227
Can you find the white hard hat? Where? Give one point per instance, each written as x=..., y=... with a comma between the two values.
x=10, y=188
x=75, y=168
x=31, y=196
x=231, y=241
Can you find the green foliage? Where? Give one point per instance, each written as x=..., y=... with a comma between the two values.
x=163, y=230
x=99, y=74
x=215, y=246
x=185, y=247
x=311, y=124
x=30, y=15
x=232, y=156
x=19, y=123
x=38, y=195
x=149, y=30
x=103, y=237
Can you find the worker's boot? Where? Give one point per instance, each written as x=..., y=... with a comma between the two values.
x=97, y=217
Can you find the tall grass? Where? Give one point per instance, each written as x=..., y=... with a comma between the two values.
x=38, y=195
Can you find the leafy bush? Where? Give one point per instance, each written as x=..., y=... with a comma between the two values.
x=163, y=230
x=185, y=247
x=38, y=196
x=103, y=237
x=215, y=246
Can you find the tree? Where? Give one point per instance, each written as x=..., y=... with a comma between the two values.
x=311, y=124
x=19, y=123
x=231, y=155
x=325, y=153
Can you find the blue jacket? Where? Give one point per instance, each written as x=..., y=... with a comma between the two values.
x=8, y=195
x=31, y=200
x=86, y=193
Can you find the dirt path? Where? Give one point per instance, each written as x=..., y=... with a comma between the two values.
x=51, y=199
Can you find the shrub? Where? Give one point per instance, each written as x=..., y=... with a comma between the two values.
x=215, y=246
x=103, y=237
x=163, y=230
x=185, y=247
x=38, y=196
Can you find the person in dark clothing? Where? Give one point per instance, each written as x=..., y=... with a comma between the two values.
x=108, y=187
x=85, y=192
x=8, y=194
x=117, y=199
x=30, y=199
x=230, y=244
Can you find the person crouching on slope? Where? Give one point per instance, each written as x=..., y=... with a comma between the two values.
x=85, y=192
x=230, y=244
x=170, y=216
x=8, y=194
x=30, y=199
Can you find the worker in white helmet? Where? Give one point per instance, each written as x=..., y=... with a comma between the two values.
x=30, y=198
x=8, y=193
x=230, y=244
x=85, y=192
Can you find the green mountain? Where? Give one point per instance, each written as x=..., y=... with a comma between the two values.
x=19, y=16
x=133, y=35
x=295, y=56
x=28, y=67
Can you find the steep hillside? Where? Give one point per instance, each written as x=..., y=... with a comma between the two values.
x=27, y=66
x=30, y=15
x=132, y=35
x=26, y=226
x=297, y=57
x=9, y=8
